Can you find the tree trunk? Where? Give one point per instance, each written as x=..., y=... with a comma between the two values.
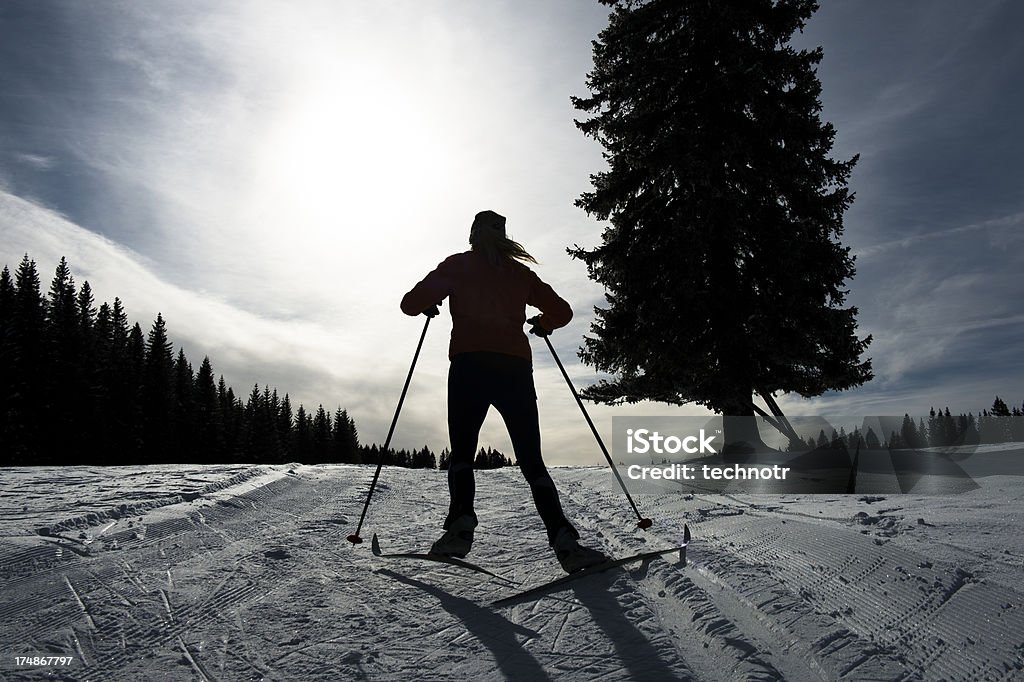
x=740, y=432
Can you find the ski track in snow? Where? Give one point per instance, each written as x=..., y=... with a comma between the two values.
x=257, y=581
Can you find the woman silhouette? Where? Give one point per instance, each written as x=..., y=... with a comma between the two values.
x=491, y=364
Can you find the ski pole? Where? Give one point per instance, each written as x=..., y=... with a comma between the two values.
x=354, y=538
x=643, y=522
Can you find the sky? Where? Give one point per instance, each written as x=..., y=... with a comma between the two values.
x=272, y=177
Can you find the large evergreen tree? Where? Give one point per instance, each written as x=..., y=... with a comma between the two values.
x=722, y=265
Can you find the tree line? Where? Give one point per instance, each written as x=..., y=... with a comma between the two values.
x=424, y=458
x=485, y=459
x=1000, y=424
x=81, y=384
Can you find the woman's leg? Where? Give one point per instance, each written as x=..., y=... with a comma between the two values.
x=516, y=401
x=467, y=408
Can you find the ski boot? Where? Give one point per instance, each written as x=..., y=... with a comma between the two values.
x=457, y=540
x=571, y=554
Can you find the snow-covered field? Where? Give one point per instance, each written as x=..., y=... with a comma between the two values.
x=248, y=576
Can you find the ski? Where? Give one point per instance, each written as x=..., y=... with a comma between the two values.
x=450, y=560
x=599, y=568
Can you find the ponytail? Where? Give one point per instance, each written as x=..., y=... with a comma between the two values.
x=488, y=237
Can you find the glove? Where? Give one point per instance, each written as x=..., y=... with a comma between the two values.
x=433, y=311
x=537, y=329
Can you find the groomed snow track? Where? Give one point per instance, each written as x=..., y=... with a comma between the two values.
x=261, y=584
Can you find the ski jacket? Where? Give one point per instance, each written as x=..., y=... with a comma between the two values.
x=488, y=303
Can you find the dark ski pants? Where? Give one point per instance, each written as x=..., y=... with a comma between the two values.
x=476, y=381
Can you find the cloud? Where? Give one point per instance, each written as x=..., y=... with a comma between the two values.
x=37, y=162
x=995, y=224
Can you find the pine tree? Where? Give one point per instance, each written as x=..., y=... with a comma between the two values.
x=85, y=401
x=158, y=395
x=232, y=418
x=423, y=459
x=272, y=415
x=185, y=441
x=935, y=430
x=99, y=389
x=999, y=424
x=1017, y=425
x=6, y=301
x=27, y=399
x=270, y=406
x=968, y=430
x=260, y=420
x=86, y=303
x=908, y=433
x=209, y=424
x=63, y=380
x=856, y=440
x=7, y=358
x=722, y=264
x=117, y=383
x=284, y=429
x=345, y=445
x=129, y=408
x=321, y=436
x=346, y=438
x=302, y=437
x=950, y=432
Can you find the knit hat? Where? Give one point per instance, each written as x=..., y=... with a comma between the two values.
x=490, y=219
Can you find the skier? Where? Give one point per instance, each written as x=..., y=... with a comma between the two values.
x=491, y=364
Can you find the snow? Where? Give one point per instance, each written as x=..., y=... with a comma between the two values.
x=244, y=573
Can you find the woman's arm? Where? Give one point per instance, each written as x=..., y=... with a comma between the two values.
x=433, y=289
x=555, y=310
